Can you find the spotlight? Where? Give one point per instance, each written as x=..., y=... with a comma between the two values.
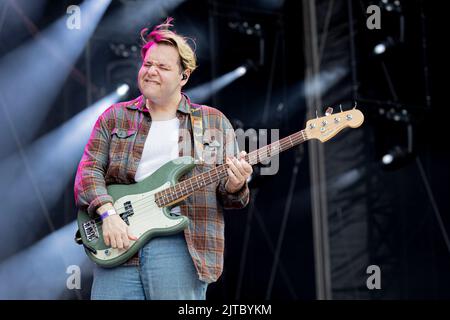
x=387, y=159
x=391, y=6
x=123, y=50
x=204, y=91
x=382, y=47
x=379, y=48
x=241, y=70
x=396, y=157
x=246, y=28
x=56, y=48
x=122, y=90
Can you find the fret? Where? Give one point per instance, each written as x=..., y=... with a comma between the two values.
x=177, y=189
x=164, y=195
x=199, y=181
x=196, y=184
x=184, y=188
x=209, y=174
x=192, y=184
x=173, y=193
x=169, y=196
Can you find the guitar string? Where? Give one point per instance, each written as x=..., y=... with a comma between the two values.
x=297, y=137
x=278, y=146
x=149, y=203
x=261, y=153
x=218, y=171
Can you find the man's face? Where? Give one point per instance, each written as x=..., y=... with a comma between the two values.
x=160, y=76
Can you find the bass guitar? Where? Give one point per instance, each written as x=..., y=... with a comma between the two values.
x=145, y=206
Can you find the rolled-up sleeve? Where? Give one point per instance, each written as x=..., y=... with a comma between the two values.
x=239, y=199
x=90, y=187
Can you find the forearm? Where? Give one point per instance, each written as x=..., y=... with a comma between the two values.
x=90, y=190
x=90, y=186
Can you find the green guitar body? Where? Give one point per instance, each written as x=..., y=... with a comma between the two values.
x=136, y=205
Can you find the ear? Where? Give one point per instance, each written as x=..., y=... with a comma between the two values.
x=185, y=77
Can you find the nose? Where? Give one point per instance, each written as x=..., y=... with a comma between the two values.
x=152, y=70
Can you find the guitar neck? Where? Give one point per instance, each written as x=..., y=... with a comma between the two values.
x=189, y=186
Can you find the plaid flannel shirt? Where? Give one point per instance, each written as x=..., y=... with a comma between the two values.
x=112, y=155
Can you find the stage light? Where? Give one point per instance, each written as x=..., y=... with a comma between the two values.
x=204, y=91
x=246, y=28
x=379, y=48
x=25, y=79
x=346, y=179
x=13, y=14
x=388, y=158
x=123, y=89
x=391, y=6
x=133, y=15
x=383, y=46
x=41, y=271
x=241, y=71
x=396, y=157
x=42, y=172
x=321, y=82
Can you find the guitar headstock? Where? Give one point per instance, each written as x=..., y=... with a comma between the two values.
x=325, y=128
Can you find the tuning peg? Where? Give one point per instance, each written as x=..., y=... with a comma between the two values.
x=317, y=115
x=356, y=104
x=340, y=106
x=329, y=111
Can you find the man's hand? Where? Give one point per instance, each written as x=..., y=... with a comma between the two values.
x=238, y=173
x=115, y=231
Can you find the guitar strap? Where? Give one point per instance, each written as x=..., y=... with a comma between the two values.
x=197, y=130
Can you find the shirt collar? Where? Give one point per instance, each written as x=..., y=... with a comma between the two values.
x=139, y=104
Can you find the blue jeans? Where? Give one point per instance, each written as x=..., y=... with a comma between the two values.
x=165, y=272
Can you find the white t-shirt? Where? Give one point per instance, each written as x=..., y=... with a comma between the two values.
x=161, y=146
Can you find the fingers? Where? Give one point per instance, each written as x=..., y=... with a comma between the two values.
x=116, y=234
x=236, y=168
x=126, y=237
x=113, y=242
x=106, y=239
x=131, y=236
x=248, y=169
x=232, y=177
x=119, y=241
x=238, y=172
x=241, y=168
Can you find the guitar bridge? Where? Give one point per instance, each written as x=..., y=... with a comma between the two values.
x=90, y=230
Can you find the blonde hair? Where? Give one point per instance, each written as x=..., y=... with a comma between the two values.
x=162, y=34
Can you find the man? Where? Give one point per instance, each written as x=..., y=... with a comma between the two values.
x=129, y=142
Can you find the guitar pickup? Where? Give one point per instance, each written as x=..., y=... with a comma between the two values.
x=90, y=230
x=128, y=212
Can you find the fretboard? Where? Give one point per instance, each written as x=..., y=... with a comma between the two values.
x=189, y=186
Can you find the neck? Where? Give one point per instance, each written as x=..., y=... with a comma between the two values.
x=186, y=187
x=163, y=110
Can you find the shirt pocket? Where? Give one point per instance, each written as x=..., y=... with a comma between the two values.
x=212, y=149
x=122, y=142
